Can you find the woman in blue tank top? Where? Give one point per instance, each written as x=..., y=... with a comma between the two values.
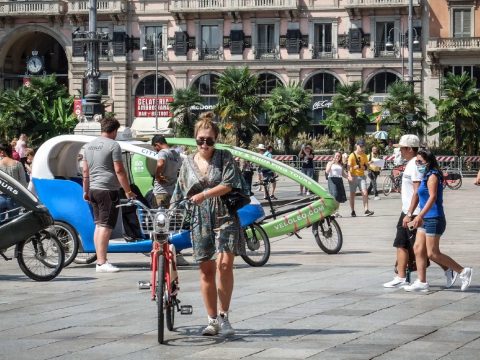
x=431, y=224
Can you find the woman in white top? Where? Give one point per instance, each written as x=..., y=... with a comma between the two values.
x=336, y=173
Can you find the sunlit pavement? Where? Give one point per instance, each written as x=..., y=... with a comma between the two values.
x=302, y=304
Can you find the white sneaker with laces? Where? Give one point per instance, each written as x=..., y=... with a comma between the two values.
x=376, y=198
x=397, y=282
x=451, y=278
x=417, y=286
x=212, y=328
x=225, y=326
x=107, y=268
x=466, y=277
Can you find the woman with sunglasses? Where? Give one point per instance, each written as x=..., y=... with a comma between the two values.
x=430, y=224
x=205, y=176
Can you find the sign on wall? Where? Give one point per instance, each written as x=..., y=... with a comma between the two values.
x=145, y=106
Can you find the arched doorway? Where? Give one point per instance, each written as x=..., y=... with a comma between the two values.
x=152, y=112
x=323, y=87
x=30, y=53
x=205, y=84
x=266, y=83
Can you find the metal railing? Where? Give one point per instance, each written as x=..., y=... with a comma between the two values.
x=321, y=51
x=266, y=51
x=209, y=54
x=381, y=50
x=231, y=5
x=13, y=8
x=380, y=3
x=103, y=6
x=149, y=54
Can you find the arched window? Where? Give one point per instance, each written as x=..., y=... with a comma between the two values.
x=146, y=87
x=323, y=88
x=205, y=85
x=379, y=83
x=267, y=82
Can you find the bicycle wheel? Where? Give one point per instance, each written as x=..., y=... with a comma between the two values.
x=85, y=258
x=159, y=294
x=387, y=185
x=257, y=245
x=328, y=235
x=41, y=256
x=69, y=239
x=170, y=313
x=454, y=184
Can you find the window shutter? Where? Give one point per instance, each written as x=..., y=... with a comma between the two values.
x=355, y=40
x=466, y=23
x=236, y=42
x=119, y=43
x=293, y=41
x=181, y=43
x=78, y=47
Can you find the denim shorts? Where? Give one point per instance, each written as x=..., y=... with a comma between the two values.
x=433, y=226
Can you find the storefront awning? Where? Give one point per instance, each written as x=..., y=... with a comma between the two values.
x=146, y=127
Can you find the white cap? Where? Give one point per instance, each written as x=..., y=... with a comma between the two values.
x=408, y=141
x=261, y=147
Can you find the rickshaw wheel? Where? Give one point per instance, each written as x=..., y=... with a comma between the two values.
x=69, y=239
x=41, y=257
x=257, y=246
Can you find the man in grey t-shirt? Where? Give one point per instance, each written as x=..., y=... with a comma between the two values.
x=168, y=164
x=103, y=174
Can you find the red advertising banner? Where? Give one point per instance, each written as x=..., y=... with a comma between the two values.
x=77, y=107
x=26, y=81
x=145, y=106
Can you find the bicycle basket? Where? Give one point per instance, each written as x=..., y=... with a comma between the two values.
x=160, y=221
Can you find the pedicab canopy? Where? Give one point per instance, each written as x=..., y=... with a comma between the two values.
x=58, y=158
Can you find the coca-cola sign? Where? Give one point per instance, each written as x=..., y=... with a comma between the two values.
x=322, y=104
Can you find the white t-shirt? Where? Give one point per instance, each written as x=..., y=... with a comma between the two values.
x=336, y=170
x=410, y=175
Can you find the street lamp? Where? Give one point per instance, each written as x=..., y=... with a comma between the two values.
x=390, y=44
x=156, y=51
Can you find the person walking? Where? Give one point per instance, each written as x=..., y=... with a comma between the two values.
x=168, y=165
x=306, y=158
x=336, y=172
x=430, y=224
x=16, y=170
x=357, y=164
x=103, y=174
x=204, y=177
x=21, y=148
x=373, y=172
x=477, y=180
x=260, y=149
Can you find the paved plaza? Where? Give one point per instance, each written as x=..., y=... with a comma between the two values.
x=303, y=304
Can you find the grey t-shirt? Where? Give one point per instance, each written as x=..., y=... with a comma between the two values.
x=173, y=162
x=100, y=155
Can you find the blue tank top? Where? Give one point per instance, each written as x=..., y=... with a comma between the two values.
x=437, y=209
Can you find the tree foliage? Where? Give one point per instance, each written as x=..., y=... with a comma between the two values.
x=183, y=119
x=42, y=110
x=287, y=111
x=346, y=118
x=238, y=103
x=458, y=112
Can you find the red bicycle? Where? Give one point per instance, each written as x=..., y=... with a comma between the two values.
x=452, y=178
x=160, y=224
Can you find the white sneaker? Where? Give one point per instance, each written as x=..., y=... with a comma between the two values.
x=307, y=193
x=212, y=328
x=225, y=326
x=451, y=278
x=107, y=268
x=466, y=277
x=417, y=286
x=396, y=282
x=376, y=198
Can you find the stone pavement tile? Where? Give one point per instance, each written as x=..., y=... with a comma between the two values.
x=352, y=351
x=422, y=349
x=281, y=353
x=462, y=353
x=223, y=352
x=437, y=317
x=393, y=335
x=448, y=335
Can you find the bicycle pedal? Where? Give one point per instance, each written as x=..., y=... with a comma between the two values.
x=186, y=309
x=143, y=285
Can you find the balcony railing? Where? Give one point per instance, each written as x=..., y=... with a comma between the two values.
x=32, y=8
x=381, y=50
x=379, y=3
x=321, y=51
x=266, y=52
x=103, y=6
x=454, y=44
x=231, y=5
x=209, y=54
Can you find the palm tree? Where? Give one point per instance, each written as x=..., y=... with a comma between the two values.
x=458, y=111
x=346, y=118
x=238, y=103
x=287, y=112
x=405, y=109
x=183, y=118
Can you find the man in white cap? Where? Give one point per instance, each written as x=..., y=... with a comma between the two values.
x=405, y=238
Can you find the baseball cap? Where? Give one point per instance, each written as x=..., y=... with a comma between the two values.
x=361, y=142
x=261, y=147
x=408, y=141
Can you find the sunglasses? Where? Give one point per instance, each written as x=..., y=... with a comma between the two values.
x=208, y=141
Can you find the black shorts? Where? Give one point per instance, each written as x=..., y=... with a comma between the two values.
x=104, y=203
x=405, y=238
x=269, y=174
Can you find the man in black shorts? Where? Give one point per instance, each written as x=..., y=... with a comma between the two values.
x=103, y=174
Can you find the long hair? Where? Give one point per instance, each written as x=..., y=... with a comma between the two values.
x=429, y=157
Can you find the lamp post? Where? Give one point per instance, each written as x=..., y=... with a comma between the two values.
x=410, y=42
x=415, y=41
